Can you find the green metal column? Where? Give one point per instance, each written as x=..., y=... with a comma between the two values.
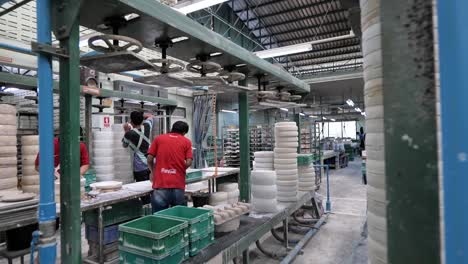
x=409, y=99
x=70, y=148
x=244, y=147
x=297, y=119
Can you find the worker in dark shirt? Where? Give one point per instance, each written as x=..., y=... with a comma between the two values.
x=173, y=152
x=84, y=157
x=137, y=138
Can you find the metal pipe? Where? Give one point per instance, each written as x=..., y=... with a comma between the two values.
x=244, y=145
x=453, y=96
x=293, y=253
x=328, y=202
x=47, y=212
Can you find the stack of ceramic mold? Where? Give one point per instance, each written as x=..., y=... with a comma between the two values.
x=264, y=183
x=285, y=162
x=306, y=172
x=122, y=157
x=232, y=190
x=8, y=150
x=103, y=142
x=227, y=217
x=29, y=150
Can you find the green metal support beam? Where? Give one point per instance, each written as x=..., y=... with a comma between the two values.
x=409, y=100
x=244, y=147
x=297, y=119
x=70, y=148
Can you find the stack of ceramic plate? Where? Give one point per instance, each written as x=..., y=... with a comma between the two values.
x=29, y=150
x=285, y=161
x=218, y=198
x=306, y=176
x=122, y=157
x=232, y=190
x=264, y=191
x=8, y=151
x=103, y=142
x=263, y=160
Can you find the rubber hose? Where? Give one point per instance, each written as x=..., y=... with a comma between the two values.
x=275, y=235
x=269, y=254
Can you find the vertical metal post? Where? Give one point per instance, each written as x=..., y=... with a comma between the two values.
x=328, y=203
x=70, y=148
x=89, y=123
x=453, y=37
x=409, y=104
x=297, y=119
x=47, y=213
x=244, y=147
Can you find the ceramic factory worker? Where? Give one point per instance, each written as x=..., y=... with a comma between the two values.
x=137, y=138
x=173, y=153
x=84, y=158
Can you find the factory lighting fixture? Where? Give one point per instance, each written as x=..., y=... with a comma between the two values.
x=298, y=48
x=301, y=114
x=363, y=113
x=284, y=109
x=214, y=54
x=241, y=65
x=179, y=39
x=131, y=16
x=339, y=108
x=312, y=116
x=228, y=111
x=197, y=5
x=324, y=118
x=333, y=119
x=358, y=109
x=350, y=102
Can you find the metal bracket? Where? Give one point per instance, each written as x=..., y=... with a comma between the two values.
x=49, y=49
x=64, y=15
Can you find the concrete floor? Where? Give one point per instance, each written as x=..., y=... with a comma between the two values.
x=343, y=239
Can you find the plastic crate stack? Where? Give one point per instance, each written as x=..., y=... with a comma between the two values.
x=103, y=146
x=122, y=157
x=306, y=171
x=200, y=225
x=264, y=183
x=29, y=150
x=119, y=213
x=231, y=148
x=8, y=151
x=285, y=162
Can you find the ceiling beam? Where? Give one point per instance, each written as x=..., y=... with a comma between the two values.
x=324, y=52
x=340, y=11
x=327, y=68
x=312, y=38
x=260, y=5
x=278, y=33
x=336, y=58
x=293, y=9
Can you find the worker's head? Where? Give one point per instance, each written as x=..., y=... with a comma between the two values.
x=136, y=118
x=180, y=127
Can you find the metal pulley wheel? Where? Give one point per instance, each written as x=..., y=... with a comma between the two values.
x=231, y=77
x=167, y=65
x=203, y=67
x=127, y=44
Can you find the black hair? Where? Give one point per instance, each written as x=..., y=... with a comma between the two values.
x=180, y=127
x=136, y=117
x=361, y=130
x=81, y=134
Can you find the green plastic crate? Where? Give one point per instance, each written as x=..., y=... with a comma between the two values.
x=200, y=220
x=193, y=174
x=175, y=256
x=201, y=242
x=90, y=177
x=305, y=159
x=153, y=234
x=120, y=212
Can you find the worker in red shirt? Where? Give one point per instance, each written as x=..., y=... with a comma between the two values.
x=173, y=153
x=84, y=158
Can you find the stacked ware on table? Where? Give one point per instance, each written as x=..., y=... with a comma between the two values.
x=153, y=239
x=122, y=157
x=29, y=150
x=232, y=190
x=264, y=189
x=200, y=225
x=231, y=148
x=103, y=147
x=220, y=200
x=306, y=171
x=285, y=161
x=227, y=217
x=8, y=150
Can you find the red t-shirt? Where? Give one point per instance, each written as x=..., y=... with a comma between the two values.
x=84, y=158
x=171, y=150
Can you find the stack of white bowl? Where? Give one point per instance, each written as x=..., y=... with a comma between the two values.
x=103, y=162
x=29, y=150
x=285, y=162
x=232, y=190
x=264, y=191
x=306, y=177
x=263, y=160
x=218, y=198
x=122, y=157
x=8, y=151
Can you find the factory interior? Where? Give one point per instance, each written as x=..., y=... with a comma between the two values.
x=233, y=131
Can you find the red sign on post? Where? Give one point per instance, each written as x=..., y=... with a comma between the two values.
x=106, y=121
